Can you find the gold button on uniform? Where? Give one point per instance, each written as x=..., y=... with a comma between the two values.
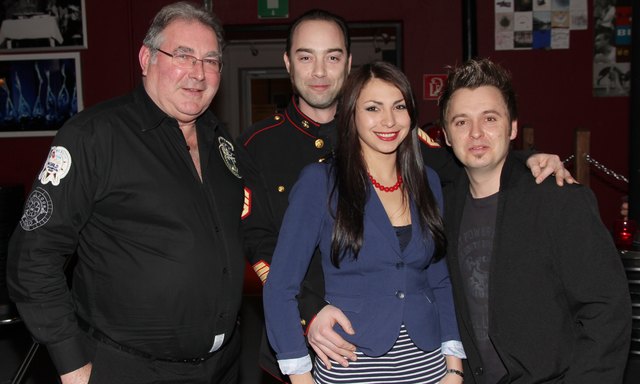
x=319, y=143
x=281, y=188
x=277, y=118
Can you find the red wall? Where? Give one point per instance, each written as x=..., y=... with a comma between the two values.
x=554, y=87
x=555, y=97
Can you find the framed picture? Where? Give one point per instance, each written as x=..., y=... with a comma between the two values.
x=42, y=25
x=38, y=92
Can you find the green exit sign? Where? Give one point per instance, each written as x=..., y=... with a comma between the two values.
x=273, y=9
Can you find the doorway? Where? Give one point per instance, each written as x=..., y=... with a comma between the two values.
x=267, y=90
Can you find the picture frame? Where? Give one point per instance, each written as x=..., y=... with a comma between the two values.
x=42, y=25
x=38, y=92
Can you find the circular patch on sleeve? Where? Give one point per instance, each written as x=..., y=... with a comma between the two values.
x=37, y=211
x=229, y=157
x=56, y=167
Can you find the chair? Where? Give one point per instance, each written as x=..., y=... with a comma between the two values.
x=9, y=316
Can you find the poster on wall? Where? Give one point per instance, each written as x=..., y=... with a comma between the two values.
x=612, y=47
x=538, y=24
x=42, y=25
x=38, y=92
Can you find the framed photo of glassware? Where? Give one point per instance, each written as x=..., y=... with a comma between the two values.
x=38, y=92
x=42, y=25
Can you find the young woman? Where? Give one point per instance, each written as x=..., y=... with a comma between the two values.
x=374, y=213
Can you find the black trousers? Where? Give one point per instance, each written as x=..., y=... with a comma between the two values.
x=111, y=366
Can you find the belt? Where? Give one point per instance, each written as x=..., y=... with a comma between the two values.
x=100, y=336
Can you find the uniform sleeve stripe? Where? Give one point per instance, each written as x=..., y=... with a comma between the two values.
x=262, y=270
x=246, y=208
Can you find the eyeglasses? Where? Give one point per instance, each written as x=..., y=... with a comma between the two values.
x=182, y=60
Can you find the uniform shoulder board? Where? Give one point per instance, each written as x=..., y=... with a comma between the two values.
x=427, y=140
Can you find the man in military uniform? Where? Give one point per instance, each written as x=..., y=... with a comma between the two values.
x=275, y=150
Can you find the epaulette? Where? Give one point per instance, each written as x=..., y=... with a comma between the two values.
x=264, y=125
x=427, y=140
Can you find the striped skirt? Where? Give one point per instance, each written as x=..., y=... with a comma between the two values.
x=404, y=363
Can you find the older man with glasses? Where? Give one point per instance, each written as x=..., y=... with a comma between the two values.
x=146, y=191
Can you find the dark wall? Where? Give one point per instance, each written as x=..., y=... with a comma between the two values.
x=554, y=87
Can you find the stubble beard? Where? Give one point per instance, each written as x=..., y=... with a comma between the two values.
x=318, y=101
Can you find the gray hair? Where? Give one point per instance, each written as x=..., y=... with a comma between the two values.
x=181, y=11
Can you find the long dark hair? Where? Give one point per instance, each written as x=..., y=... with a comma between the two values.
x=352, y=183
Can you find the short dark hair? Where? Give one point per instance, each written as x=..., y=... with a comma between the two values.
x=182, y=11
x=477, y=73
x=322, y=15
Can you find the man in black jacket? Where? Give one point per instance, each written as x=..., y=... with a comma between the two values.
x=539, y=287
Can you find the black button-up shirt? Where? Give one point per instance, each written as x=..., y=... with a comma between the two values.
x=160, y=265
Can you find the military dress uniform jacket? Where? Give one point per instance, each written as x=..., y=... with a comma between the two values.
x=559, y=306
x=160, y=264
x=275, y=151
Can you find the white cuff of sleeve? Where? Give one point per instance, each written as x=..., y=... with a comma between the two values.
x=453, y=348
x=295, y=366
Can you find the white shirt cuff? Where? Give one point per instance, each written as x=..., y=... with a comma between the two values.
x=453, y=348
x=295, y=366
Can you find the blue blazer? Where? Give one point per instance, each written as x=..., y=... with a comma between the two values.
x=378, y=292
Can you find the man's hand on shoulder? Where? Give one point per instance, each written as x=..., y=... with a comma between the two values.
x=79, y=376
x=543, y=165
x=326, y=342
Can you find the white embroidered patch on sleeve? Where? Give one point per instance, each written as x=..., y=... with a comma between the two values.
x=56, y=167
x=229, y=157
x=37, y=211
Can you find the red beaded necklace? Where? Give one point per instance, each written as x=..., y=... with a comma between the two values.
x=382, y=187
